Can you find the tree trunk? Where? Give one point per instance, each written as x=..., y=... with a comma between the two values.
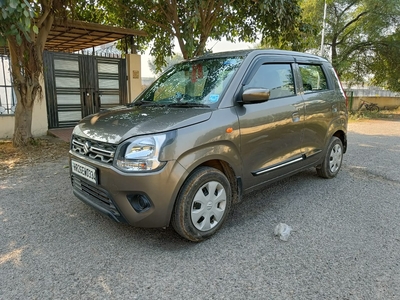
x=26, y=87
x=26, y=93
x=23, y=125
x=27, y=68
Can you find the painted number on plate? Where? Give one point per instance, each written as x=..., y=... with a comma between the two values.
x=84, y=171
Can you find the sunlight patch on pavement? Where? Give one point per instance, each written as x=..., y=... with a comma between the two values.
x=104, y=285
x=13, y=256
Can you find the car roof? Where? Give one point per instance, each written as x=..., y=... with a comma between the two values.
x=256, y=52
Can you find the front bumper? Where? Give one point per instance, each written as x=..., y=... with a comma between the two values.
x=118, y=194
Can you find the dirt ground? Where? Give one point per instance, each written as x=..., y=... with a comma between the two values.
x=43, y=149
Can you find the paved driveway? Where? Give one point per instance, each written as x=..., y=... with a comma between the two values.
x=345, y=245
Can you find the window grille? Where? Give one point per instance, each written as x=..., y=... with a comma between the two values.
x=7, y=95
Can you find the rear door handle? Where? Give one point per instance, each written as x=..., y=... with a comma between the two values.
x=295, y=117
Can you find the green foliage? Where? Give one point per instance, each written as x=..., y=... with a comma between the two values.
x=16, y=20
x=90, y=11
x=386, y=64
x=176, y=58
x=116, y=13
x=359, y=37
x=192, y=23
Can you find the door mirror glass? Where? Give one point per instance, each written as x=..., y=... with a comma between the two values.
x=255, y=95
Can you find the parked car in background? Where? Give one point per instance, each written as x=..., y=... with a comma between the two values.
x=205, y=133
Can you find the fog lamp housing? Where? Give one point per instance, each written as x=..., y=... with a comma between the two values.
x=139, y=202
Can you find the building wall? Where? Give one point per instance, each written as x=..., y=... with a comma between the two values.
x=6, y=126
x=382, y=102
x=39, y=120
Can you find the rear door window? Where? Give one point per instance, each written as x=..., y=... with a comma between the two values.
x=314, y=79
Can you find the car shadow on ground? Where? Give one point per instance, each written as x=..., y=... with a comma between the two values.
x=264, y=201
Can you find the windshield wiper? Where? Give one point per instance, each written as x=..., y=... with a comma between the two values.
x=187, y=104
x=145, y=103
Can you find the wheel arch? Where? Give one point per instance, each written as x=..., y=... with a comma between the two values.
x=226, y=169
x=342, y=136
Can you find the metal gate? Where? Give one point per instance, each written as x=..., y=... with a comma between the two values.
x=80, y=85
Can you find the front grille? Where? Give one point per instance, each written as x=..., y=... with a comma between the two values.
x=100, y=151
x=95, y=194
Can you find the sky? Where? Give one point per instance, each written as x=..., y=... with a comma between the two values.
x=217, y=46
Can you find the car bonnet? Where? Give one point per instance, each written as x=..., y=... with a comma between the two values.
x=118, y=124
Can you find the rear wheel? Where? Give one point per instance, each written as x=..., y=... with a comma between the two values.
x=333, y=159
x=202, y=205
x=374, y=108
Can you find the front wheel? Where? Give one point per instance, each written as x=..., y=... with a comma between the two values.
x=202, y=204
x=332, y=162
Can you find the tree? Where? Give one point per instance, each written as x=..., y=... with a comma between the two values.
x=192, y=22
x=117, y=13
x=386, y=64
x=24, y=27
x=357, y=34
x=173, y=60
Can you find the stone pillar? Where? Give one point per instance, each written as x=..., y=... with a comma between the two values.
x=39, y=116
x=133, y=65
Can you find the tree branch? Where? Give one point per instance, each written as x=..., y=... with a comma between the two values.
x=44, y=32
x=15, y=63
x=155, y=23
x=353, y=21
x=46, y=10
x=173, y=10
x=347, y=8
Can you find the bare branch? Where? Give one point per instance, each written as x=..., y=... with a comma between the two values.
x=353, y=21
x=15, y=64
x=44, y=32
x=46, y=9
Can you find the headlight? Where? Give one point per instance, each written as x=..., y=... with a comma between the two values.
x=140, y=153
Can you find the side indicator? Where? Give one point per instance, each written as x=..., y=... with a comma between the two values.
x=229, y=130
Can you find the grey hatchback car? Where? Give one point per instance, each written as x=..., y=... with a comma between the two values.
x=205, y=133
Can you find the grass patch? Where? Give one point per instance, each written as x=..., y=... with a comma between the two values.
x=368, y=115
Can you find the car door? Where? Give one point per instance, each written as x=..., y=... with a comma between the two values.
x=271, y=131
x=320, y=107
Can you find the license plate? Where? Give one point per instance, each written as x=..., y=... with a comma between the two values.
x=84, y=171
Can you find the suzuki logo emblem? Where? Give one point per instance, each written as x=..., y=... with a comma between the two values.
x=86, y=147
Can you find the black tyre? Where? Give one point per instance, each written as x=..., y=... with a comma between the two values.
x=330, y=167
x=374, y=108
x=202, y=205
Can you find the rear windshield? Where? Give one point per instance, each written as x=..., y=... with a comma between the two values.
x=199, y=82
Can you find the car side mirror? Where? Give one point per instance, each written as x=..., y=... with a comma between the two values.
x=255, y=95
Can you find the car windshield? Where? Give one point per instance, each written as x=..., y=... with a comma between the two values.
x=197, y=83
